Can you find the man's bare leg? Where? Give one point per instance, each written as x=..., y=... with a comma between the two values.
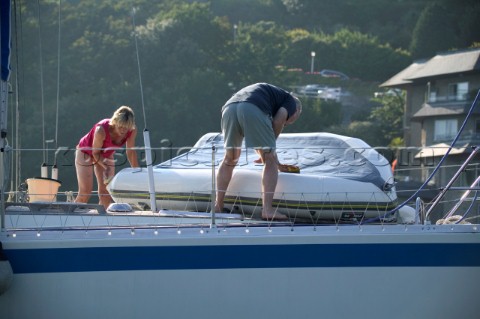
x=224, y=175
x=269, y=183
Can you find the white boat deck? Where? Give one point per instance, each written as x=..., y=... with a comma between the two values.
x=88, y=217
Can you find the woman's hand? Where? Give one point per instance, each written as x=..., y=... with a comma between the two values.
x=107, y=179
x=130, y=149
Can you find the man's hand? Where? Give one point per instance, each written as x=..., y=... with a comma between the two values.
x=288, y=168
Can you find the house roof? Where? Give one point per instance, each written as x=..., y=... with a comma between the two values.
x=441, y=64
x=428, y=110
x=441, y=149
x=400, y=78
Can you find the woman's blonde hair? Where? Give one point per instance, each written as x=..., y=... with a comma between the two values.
x=123, y=117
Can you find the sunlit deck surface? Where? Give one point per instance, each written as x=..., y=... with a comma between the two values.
x=66, y=215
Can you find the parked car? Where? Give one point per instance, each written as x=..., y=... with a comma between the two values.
x=333, y=74
x=312, y=90
x=331, y=94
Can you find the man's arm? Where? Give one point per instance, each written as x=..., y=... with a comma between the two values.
x=279, y=121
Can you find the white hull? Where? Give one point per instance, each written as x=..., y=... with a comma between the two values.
x=389, y=271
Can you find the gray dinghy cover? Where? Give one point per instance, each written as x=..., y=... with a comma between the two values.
x=322, y=154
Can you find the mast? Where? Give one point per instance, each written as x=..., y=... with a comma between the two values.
x=146, y=133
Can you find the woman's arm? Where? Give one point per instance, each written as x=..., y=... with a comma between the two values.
x=131, y=152
x=98, y=139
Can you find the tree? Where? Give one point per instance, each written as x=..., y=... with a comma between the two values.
x=317, y=116
x=431, y=30
x=258, y=50
x=181, y=47
x=439, y=27
x=388, y=117
x=361, y=56
x=351, y=52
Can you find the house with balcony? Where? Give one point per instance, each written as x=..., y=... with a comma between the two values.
x=439, y=97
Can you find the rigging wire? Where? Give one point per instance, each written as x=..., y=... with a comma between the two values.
x=42, y=98
x=474, y=200
x=138, y=66
x=58, y=74
x=18, y=154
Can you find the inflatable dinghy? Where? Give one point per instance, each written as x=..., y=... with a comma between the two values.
x=341, y=178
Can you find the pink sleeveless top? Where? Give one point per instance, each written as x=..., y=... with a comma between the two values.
x=108, y=145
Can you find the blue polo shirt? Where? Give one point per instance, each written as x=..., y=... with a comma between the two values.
x=269, y=98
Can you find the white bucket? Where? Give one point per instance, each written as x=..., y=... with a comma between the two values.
x=42, y=189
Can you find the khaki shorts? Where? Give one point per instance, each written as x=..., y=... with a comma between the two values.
x=245, y=120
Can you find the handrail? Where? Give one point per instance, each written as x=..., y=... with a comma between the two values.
x=452, y=180
x=440, y=163
x=462, y=199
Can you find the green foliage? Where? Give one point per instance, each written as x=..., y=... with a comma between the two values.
x=368, y=131
x=382, y=126
x=388, y=117
x=439, y=27
x=355, y=54
x=427, y=39
x=180, y=48
x=361, y=55
x=317, y=116
x=397, y=142
x=391, y=21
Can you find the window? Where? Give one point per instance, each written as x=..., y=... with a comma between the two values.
x=431, y=92
x=445, y=130
x=458, y=91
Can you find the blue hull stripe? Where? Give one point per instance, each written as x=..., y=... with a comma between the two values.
x=243, y=257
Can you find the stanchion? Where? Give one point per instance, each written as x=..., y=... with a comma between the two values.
x=212, y=224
